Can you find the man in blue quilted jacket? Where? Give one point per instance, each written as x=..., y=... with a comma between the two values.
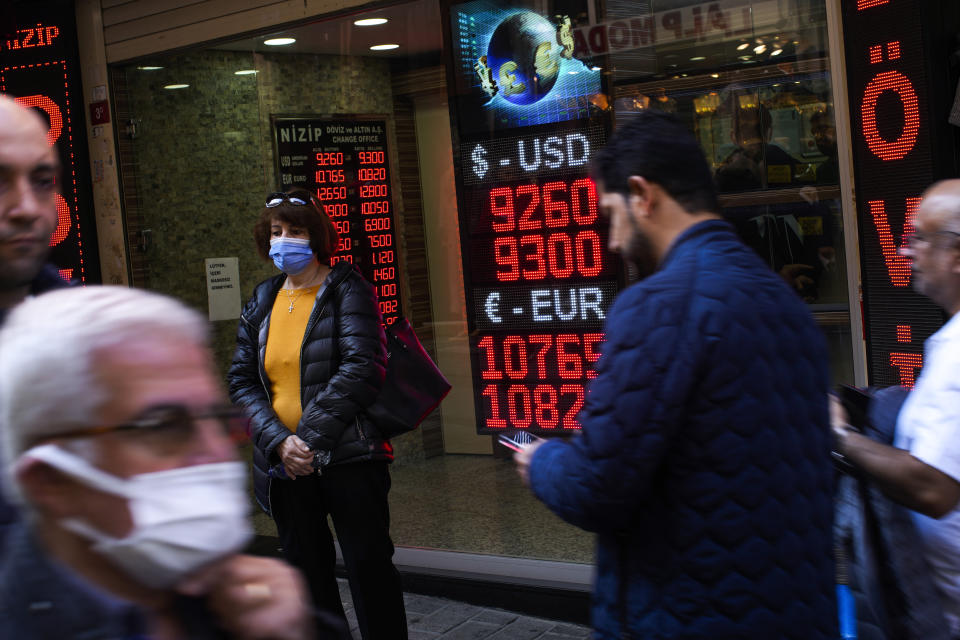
x=704, y=460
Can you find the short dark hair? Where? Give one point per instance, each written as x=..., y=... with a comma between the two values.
x=323, y=235
x=658, y=147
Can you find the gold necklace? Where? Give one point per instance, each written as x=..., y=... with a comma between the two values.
x=292, y=298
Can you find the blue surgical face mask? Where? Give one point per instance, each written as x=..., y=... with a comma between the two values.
x=291, y=255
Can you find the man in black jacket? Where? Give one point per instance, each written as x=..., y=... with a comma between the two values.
x=29, y=177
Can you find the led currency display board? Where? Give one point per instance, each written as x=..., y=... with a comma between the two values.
x=893, y=138
x=39, y=67
x=538, y=277
x=345, y=163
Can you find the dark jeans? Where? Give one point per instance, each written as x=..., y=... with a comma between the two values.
x=355, y=496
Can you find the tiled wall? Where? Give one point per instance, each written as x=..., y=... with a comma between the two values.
x=204, y=159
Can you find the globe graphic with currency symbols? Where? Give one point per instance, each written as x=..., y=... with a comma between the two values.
x=525, y=58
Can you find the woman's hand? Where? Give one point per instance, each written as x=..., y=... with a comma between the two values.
x=296, y=456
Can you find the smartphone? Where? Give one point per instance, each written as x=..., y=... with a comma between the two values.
x=857, y=403
x=518, y=440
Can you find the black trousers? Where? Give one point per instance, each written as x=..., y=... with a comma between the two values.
x=355, y=497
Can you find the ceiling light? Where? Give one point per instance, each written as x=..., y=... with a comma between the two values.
x=776, y=52
x=573, y=73
x=175, y=86
x=279, y=42
x=760, y=48
x=743, y=45
x=714, y=75
x=698, y=58
x=245, y=72
x=370, y=22
x=595, y=68
x=384, y=47
x=149, y=68
x=743, y=57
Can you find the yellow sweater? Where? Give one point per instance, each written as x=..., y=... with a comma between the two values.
x=282, y=358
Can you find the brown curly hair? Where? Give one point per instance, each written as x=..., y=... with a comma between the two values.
x=323, y=235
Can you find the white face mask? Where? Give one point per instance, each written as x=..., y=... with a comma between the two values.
x=183, y=518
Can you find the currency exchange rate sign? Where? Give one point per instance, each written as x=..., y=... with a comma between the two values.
x=539, y=279
x=345, y=164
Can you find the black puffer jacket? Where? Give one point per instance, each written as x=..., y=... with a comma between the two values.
x=342, y=365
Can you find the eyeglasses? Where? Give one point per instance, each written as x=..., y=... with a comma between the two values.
x=919, y=239
x=277, y=198
x=171, y=428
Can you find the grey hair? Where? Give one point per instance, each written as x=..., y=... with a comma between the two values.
x=47, y=352
x=948, y=203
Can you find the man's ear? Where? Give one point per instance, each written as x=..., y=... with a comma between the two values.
x=643, y=195
x=48, y=489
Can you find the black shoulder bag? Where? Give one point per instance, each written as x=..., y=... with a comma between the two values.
x=413, y=387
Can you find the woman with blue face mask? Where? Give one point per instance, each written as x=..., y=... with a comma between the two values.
x=311, y=356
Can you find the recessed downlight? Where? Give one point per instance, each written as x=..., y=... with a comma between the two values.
x=760, y=48
x=742, y=46
x=698, y=58
x=149, y=68
x=776, y=52
x=384, y=47
x=370, y=22
x=245, y=72
x=595, y=68
x=175, y=86
x=279, y=42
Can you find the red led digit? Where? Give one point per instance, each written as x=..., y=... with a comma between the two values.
x=345, y=244
x=570, y=417
x=490, y=373
x=545, y=341
x=373, y=191
x=387, y=290
x=527, y=222
x=505, y=253
x=331, y=193
x=587, y=243
x=63, y=222
x=374, y=208
x=515, y=357
x=514, y=393
x=342, y=226
x=560, y=250
x=907, y=364
x=324, y=159
x=556, y=213
x=335, y=210
x=495, y=421
x=52, y=110
x=381, y=240
x=372, y=173
x=370, y=157
x=590, y=353
x=330, y=175
x=501, y=209
x=376, y=224
x=583, y=215
x=536, y=257
x=901, y=85
x=570, y=364
x=385, y=273
x=545, y=410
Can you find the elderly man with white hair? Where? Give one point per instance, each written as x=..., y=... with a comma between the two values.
x=117, y=445
x=922, y=470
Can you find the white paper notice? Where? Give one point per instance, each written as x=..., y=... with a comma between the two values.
x=223, y=288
